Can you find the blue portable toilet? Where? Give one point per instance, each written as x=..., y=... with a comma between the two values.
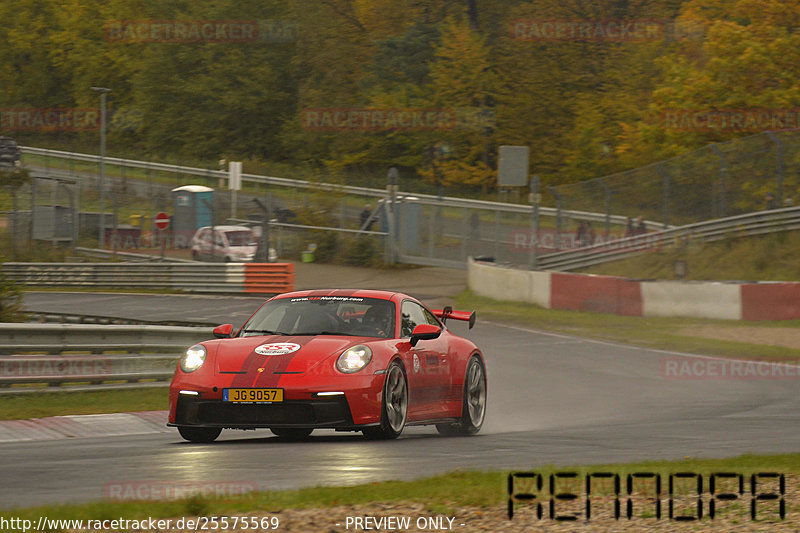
x=192, y=209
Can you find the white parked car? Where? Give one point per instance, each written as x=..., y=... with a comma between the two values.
x=231, y=244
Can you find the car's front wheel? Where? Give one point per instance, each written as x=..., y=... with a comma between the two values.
x=292, y=434
x=195, y=434
x=473, y=411
x=394, y=407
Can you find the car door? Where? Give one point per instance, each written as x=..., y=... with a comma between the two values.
x=220, y=248
x=204, y=245
x=426, y=372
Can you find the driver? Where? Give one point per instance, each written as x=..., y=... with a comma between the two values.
x=380, y=318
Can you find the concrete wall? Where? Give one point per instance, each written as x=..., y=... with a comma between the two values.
x=692, y=299
x=509, y=284
x=614, y=295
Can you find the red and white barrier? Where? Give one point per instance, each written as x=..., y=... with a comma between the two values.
x=622, y=296
x=250, y=278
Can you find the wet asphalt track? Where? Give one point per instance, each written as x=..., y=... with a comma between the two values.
x=552, y=399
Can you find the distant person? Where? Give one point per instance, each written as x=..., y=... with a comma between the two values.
x=588, y=234
x=580, y=236
x=640, y=226
x=771, y=202
x=630, y=231
x=366, y=218
x=474, y=226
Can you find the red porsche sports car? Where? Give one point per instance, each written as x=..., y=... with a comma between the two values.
x=350, y=360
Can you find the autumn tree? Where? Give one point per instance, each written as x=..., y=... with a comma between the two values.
x=746, y=59
x=464, y=79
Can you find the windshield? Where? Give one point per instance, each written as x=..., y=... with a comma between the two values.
x=240, y=238
x=326, y=315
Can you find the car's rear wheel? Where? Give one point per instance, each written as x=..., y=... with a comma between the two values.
x=194, y=434
x=473, y=411
x=292, y=434
x=394, y=407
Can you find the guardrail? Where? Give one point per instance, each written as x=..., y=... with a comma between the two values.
x=756, y=223
x=251, y=278
x=49, y=317
x=89, y=357
x=96, y=252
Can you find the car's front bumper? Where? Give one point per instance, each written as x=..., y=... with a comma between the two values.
x=333, y=412
x=310, y=403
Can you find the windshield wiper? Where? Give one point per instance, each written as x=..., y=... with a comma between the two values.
x=264, y=332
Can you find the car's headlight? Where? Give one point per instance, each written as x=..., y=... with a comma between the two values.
x=354, y=359
x=193, y=358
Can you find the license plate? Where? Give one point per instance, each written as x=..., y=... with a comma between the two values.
x=252, y=395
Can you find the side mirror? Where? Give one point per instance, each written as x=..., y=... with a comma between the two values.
x=425, y=332
x=224, y=331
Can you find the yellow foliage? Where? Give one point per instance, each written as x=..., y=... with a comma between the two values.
x=455, y=172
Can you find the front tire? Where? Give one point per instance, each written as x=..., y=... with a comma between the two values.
x=292, y=434
x=473, y=411
x=199, y=434
x=394, y=407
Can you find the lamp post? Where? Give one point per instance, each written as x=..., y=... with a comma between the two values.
x=103, y=91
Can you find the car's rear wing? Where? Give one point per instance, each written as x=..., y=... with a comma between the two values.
x=448, y=312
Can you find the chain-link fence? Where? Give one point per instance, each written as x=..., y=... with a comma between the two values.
x=359, y=226
x=725, y=179
x=62, y=204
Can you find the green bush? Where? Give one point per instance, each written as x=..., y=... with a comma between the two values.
x=327, y=247
x=360, y=251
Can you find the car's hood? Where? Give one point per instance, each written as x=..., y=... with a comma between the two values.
x=280, y=353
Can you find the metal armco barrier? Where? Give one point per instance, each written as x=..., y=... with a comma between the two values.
x=255, y=278
x=750, y=224
x=59, y=338
x=59, y=354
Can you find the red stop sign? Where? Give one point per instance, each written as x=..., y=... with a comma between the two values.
x=162, y=220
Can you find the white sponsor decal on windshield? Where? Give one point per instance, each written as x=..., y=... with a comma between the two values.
x=277, y=348
x=328, y=299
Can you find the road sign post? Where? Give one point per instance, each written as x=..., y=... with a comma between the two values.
x=162, y=223
x=234, y=183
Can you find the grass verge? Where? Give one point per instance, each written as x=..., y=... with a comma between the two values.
x=33, y=405
x=773, y=257
x=661, y=333
x=439, y=493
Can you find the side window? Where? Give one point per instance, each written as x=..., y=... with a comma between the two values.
x=412, y=315
x=430, y=318
x=220, y=241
